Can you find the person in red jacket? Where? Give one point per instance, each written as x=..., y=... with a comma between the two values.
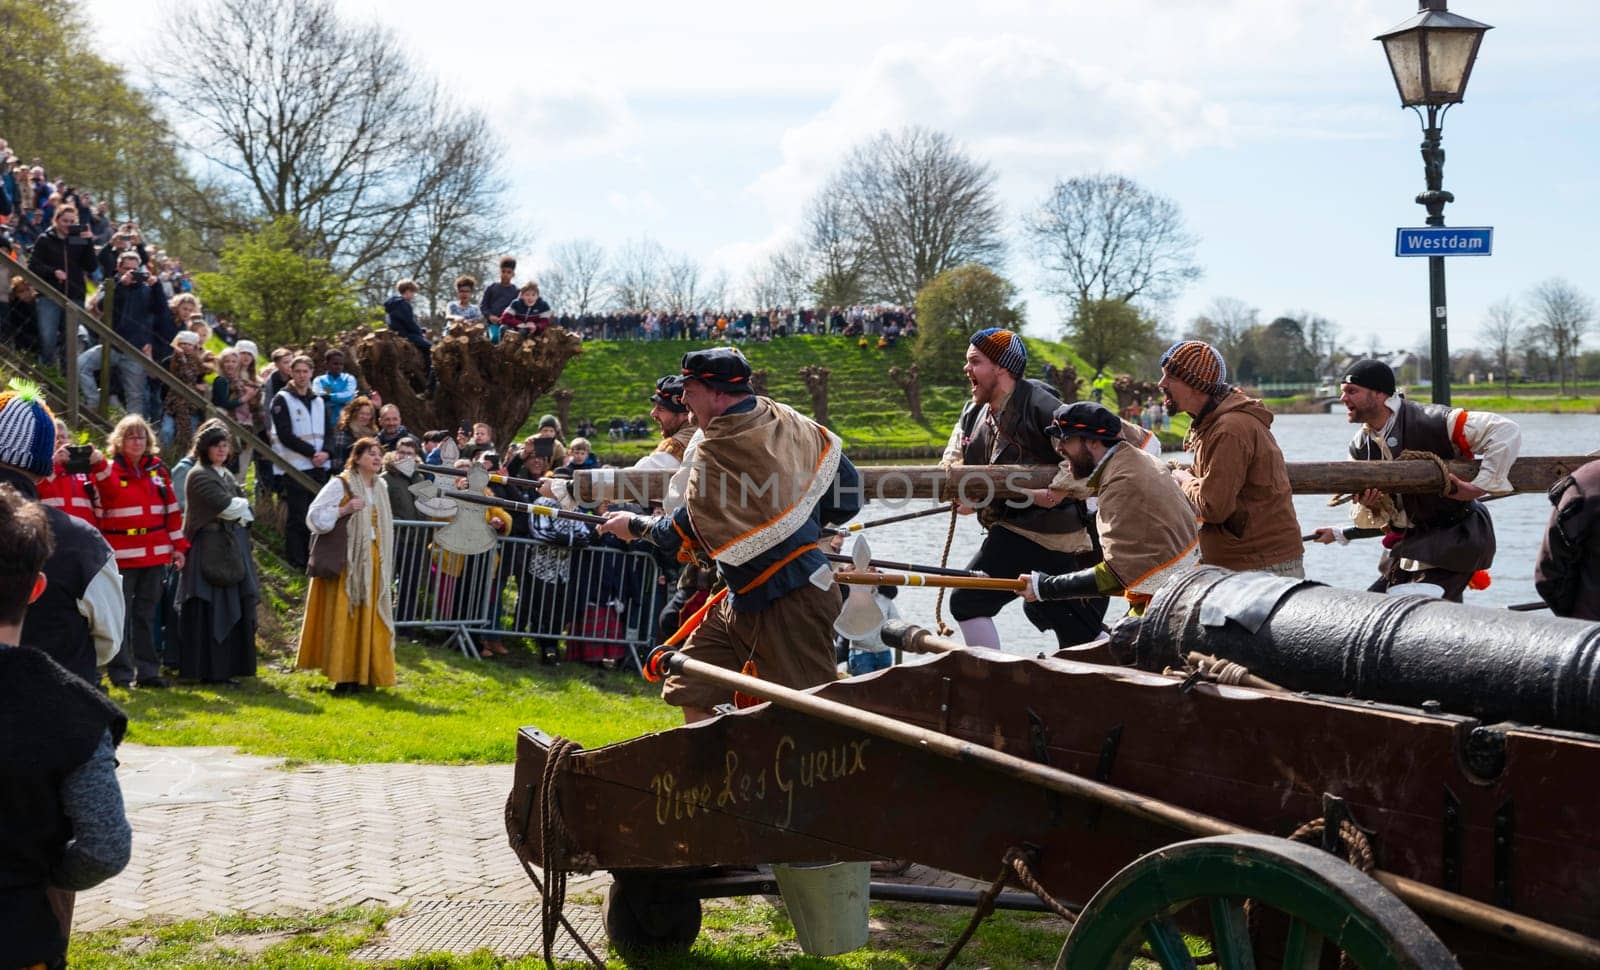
x=70, y=491
x=137, y=511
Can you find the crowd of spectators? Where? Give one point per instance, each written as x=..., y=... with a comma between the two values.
x=561, y=578
x=313, y=412
x=863, y=321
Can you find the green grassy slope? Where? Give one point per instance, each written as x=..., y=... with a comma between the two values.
x=615, y=378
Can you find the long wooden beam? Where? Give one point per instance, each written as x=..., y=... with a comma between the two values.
x=977, y=485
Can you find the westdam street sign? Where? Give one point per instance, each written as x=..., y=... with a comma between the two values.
x=1444, y=241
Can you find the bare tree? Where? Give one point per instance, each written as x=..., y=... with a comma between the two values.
x=682, y=285
x=782, y=279
x=715, y=291
x=837, y=256
x=1226, y=325
x=451, y=231
x=1502, y=331
x=311, y=116
x=1105, y=237
x=916, y=205
x=1561, y=316
x=638, y=275
x=575, y=280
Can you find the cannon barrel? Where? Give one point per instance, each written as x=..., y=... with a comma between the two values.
x=1492, y=664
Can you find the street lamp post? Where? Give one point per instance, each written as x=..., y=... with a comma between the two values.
x=1431, y=57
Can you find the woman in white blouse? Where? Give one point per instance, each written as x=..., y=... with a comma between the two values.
x=348, y=631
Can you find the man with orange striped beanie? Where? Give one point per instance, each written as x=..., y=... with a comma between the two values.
x=1237, y=484
x=1004, y=424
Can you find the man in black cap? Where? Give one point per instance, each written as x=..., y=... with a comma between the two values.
x=1147, y=528
x=677, y=426
x=1004, y=424
x=1439, y=539
x=766, y=479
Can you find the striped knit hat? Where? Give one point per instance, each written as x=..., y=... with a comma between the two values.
x=1003, y=347
x=1197, y=364
x=27, y=429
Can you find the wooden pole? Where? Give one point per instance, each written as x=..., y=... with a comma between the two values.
x=980, y=485
x=852, y=578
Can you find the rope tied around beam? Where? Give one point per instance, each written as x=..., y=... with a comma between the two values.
x=1446, y=487
x=1014, y=865
x=1355, y=848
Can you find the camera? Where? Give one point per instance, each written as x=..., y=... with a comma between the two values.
x=544, y=448
x=141, y=275
x=78, y=459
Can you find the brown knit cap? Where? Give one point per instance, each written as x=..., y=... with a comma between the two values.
x=1197, y=364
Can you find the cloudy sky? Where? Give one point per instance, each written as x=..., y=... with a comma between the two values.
x=1273, y=124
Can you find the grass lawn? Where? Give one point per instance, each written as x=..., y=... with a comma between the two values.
x=736, y=935
x=867, y=409
x=446, y=709
x=1526, y=404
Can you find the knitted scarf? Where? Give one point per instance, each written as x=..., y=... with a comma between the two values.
x=358, y=548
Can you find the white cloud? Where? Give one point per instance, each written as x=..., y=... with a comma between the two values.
x=1020, y=104
x=639, y=207
x=574, y=116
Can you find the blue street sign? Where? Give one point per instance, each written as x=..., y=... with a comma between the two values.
x=1444, y=241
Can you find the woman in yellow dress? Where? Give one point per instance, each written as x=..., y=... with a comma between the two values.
x=349, y=626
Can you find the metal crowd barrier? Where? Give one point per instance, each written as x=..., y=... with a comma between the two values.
x=602, y=602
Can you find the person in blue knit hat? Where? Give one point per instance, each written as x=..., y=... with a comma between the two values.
x=1004, y=424
x=78, y=618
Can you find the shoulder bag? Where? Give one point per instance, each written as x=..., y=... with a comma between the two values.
x=326, y=560
x=221, y=565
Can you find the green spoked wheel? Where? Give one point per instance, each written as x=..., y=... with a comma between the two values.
x=1323, y=899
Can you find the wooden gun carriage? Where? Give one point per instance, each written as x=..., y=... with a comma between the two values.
x=1452, y=752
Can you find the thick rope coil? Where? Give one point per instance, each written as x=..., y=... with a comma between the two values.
x=944, y=561
x=1357, y=850
x=1014, y=865
x=1024, y=874
x=1446, y=486
x=554, y=840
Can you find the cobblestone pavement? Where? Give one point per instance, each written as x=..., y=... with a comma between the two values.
x=220, y=832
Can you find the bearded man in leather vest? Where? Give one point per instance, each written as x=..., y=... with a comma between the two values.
x=1004, y=424
x=1428, y=538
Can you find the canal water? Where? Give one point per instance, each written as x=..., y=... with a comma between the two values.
x=1519, y=525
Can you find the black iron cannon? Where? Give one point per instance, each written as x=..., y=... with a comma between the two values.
x=1490, y=664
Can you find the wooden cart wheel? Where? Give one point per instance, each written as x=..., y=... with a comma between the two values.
x=641, y=911
x=1322, y=897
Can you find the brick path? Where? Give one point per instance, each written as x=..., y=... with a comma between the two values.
x=219, y=832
